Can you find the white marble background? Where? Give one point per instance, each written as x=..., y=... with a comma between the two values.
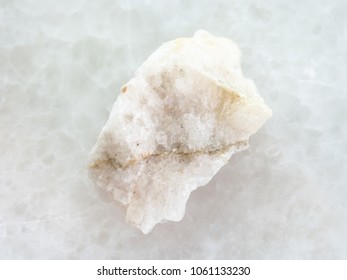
x=61, y=66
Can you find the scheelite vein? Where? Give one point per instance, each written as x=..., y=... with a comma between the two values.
x=174, y=125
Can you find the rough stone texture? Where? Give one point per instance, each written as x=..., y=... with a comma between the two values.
x=176, y=123
x=61, y=63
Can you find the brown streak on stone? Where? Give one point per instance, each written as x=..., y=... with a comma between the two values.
x=111, y=161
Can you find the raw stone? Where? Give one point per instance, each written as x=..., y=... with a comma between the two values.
x=175, y=124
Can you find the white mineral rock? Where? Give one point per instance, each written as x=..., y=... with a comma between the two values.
x=174, y=125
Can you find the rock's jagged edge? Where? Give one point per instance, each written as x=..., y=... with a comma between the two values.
x=216, y=159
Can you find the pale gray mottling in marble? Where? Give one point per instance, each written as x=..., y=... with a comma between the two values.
x=61, y=66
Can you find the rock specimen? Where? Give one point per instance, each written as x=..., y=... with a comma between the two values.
x=173, y=126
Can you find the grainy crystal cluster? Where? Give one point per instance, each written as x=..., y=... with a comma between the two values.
x=173, y=126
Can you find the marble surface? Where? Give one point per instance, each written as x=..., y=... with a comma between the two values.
x=61, y=66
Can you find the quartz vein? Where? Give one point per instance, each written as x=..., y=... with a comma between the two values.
x=108, y=160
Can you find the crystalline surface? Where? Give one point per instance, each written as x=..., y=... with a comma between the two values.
x=175, y=124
